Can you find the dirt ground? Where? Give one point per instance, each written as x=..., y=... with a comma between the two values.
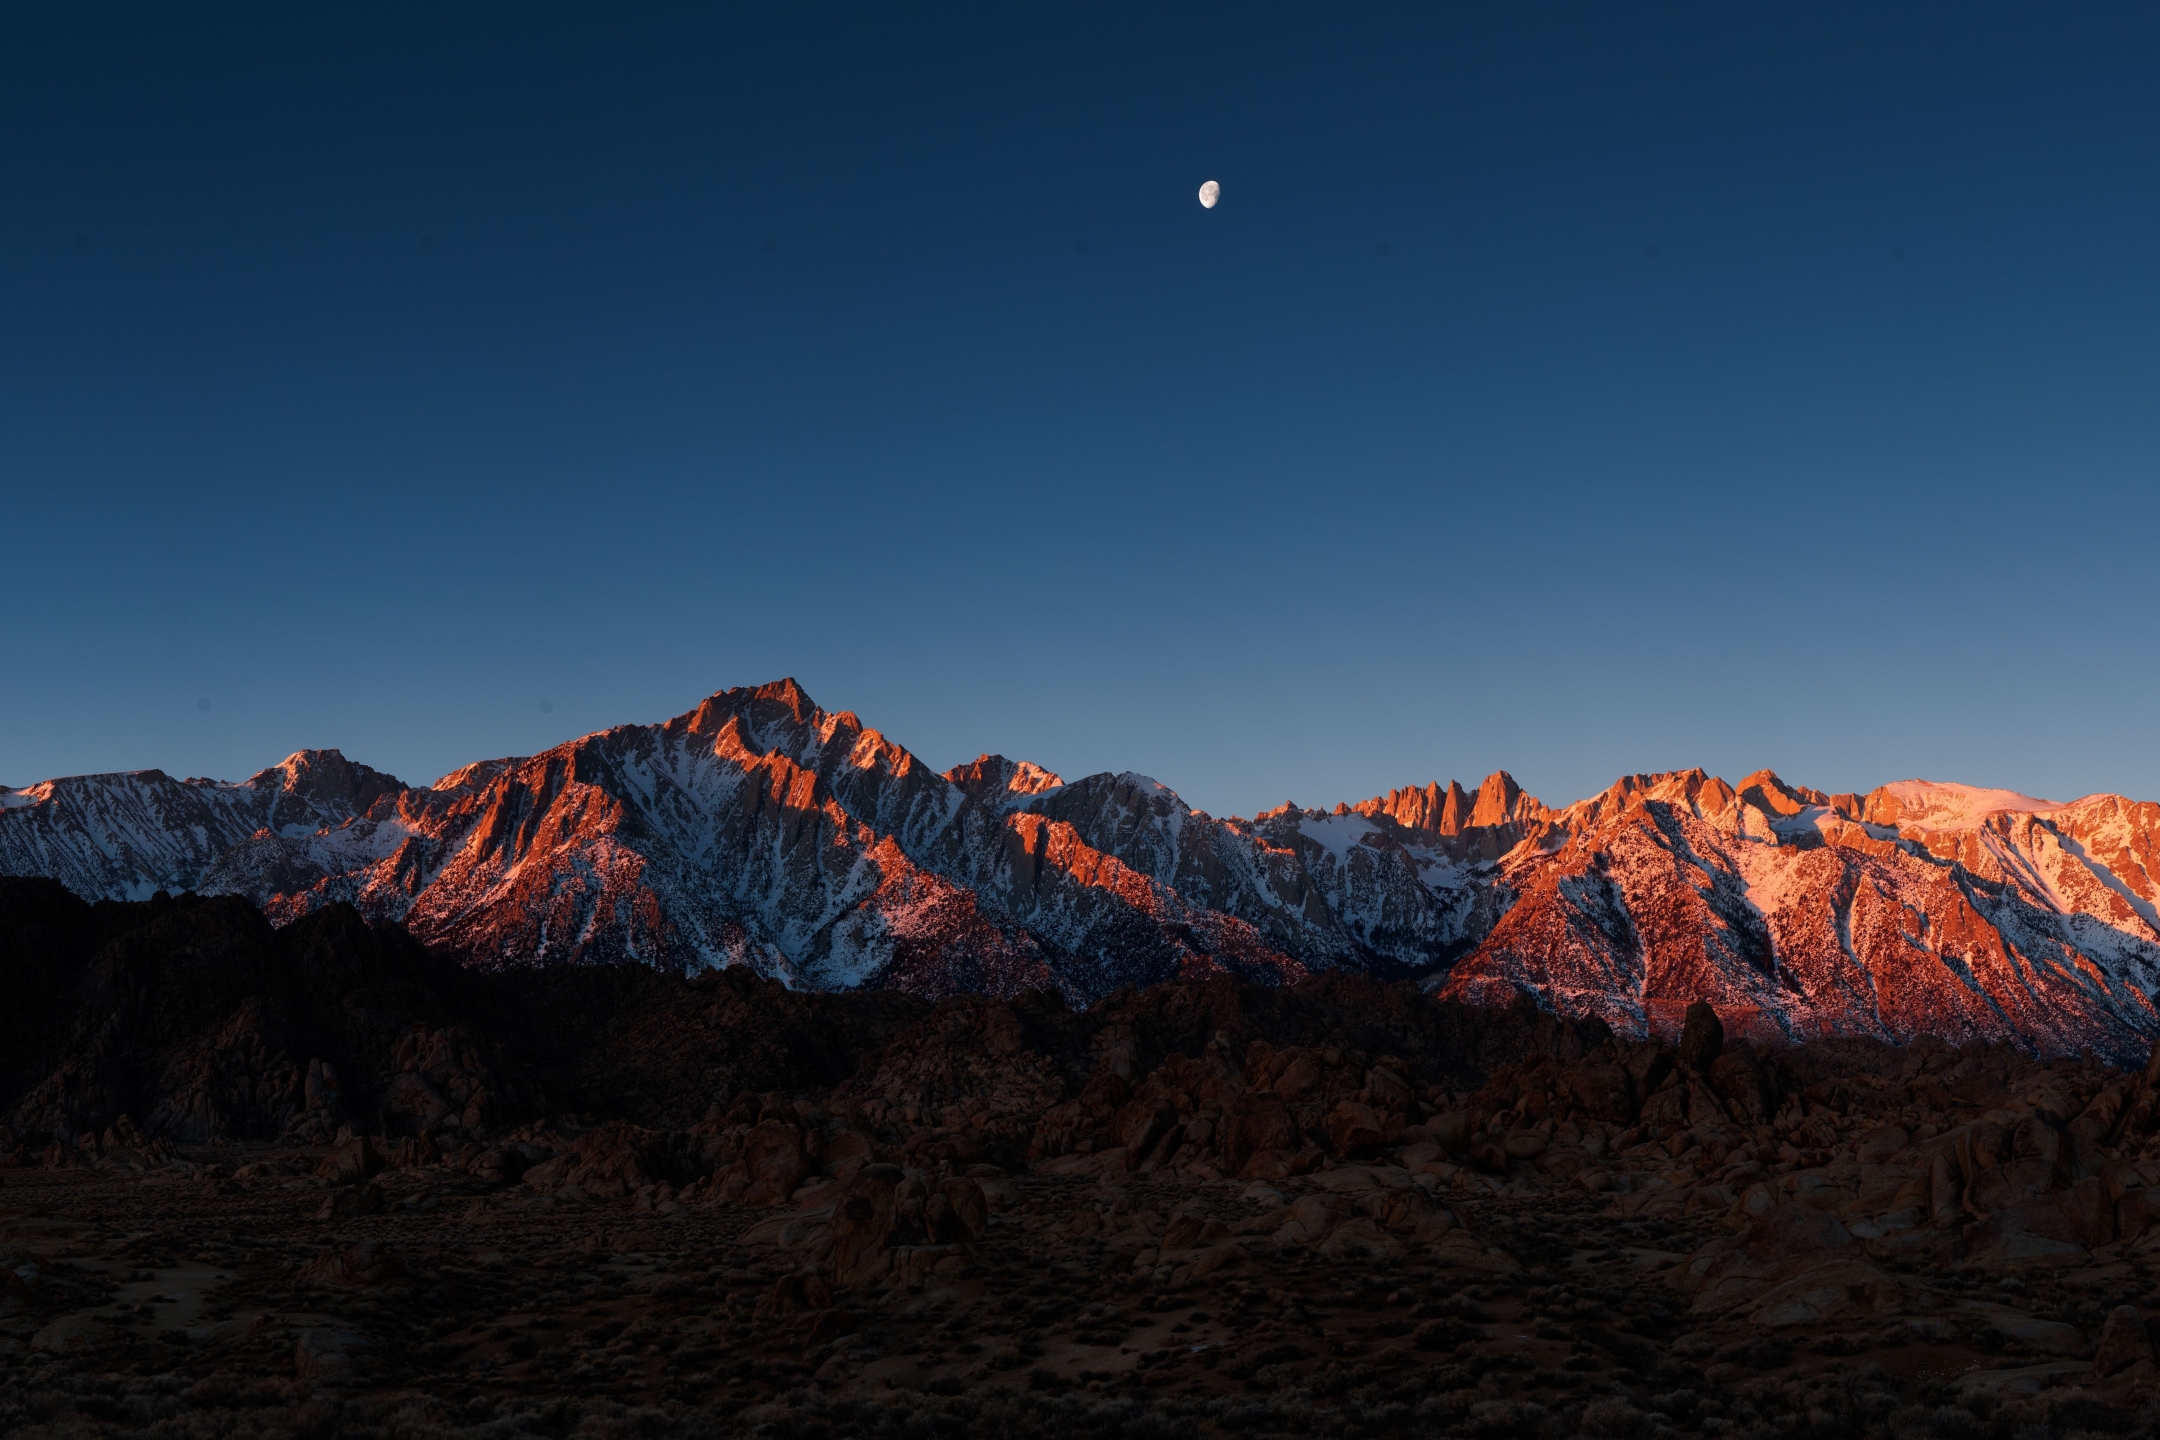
x=214, y=1297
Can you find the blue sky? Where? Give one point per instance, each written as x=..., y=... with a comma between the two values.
x=1569, y=389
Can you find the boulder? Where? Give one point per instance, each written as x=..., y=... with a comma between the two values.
x=2136, y=1210
x=1353, y=1129
x=1360, y=1238
x=2123, y=1341
x=1451, y=1132
x=1525, y=1144
x=328, y=1355
x=355, y=1267
x=1256, y=1122
x=1002, y=1034
x=1314, y=1218
x=2072, y=1220
x=793, y=1294
x=1600, y=1089
x=1301, y=1075
x=1648, y=1065
x=1880, y=1143
x=2041, y=1137
x=1785, y=1243
x=847, y=1152
x=617, y=1160
x=352, y=1202
x=834, y=1324
x=1946, y=1190
x=500, y=1164
x=1387, y=1088
x=886, y=1212
x=1999, y=1187
x=867, y=1222
x=1192, y=1232
x=352, y=1162
x=774, y=1162
x=1737, y=1078
x=16, y=1296
x=969, y=1202
x=1824, y=1290
x=1142, y=1124
x=1702, y=1037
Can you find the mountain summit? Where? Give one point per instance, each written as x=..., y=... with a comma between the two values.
x=758, y=829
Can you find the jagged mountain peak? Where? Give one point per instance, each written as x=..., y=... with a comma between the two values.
x=477, y=774
x=325, y=778
x=787, y=691
x=1000, y=783
x=1764, y=790
x=777, y=715
x=1694, y=789
x=1450, y=811
x=1500, y=800
x=1444, y=810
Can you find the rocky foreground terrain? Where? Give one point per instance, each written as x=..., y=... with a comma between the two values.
x=314, y=1180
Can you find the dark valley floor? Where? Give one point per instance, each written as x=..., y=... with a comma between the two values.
x=316, y=1181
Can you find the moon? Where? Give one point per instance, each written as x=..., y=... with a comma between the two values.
x=1209, y=194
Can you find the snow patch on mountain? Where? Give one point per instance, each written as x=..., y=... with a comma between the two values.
x=1935, y=805
x=1336, y=834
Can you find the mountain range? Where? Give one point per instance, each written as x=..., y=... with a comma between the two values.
x=760, y=830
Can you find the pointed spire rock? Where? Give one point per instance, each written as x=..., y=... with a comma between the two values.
x=1454, y=810
x=788, y=692
x=1496, y=799
x=1702, y=1037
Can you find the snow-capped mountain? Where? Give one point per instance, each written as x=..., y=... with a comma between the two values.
x=1800, y=914
x=125, y=836
x=759, y=829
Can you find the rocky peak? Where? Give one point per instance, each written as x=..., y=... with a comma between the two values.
x=328, y=781
x=1480, y=826
x=1766, y=792
x=788, y=694
x=779, y=715
x=1499, y=800
x=1695, y=791
x=1444, y=810
x=1933, y=805
x=1000, y=783
x=477, y=774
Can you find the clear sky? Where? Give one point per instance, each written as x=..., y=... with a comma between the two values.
x=1569, y=389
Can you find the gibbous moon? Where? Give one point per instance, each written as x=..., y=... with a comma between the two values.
x=1209, y=194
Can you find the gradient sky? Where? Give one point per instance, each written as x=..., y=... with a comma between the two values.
x=1570, y=389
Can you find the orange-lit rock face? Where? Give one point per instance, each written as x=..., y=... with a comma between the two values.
x=1774, y=906
x=1475, y=827
x=758, y=829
